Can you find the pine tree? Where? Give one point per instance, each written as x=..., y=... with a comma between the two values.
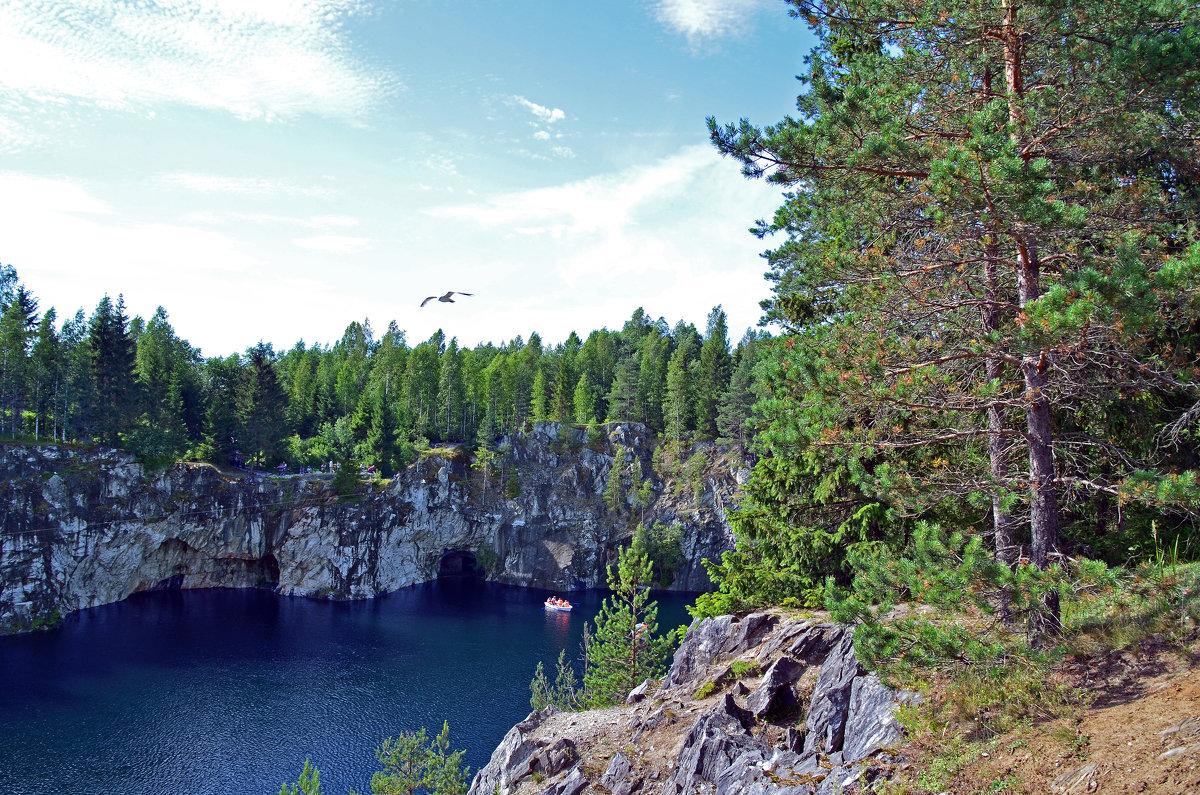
x=622, y=398
x=626, y=648
x=538, y=400
x=678, y=403
x=978, y=233
x=47, y=373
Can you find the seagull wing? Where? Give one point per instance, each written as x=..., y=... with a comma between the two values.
x=427, y=300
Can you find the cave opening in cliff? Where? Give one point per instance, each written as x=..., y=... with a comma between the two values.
x=270, y=569
x=459, y=564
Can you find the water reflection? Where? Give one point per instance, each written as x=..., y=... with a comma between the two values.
x=228, y=691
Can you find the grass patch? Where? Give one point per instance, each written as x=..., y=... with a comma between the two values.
x=743, y=668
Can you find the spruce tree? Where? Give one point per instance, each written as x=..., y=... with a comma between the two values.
x=626, y=648
x=713, y=371
x=114, y=391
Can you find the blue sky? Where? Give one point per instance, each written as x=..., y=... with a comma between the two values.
x=276, y=170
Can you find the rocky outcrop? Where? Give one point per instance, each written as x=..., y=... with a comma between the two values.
x=756, y=705
x=84, y=528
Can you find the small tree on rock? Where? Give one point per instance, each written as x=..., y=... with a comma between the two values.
x=626, y=648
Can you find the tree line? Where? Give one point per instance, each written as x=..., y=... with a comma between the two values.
x=377, y=400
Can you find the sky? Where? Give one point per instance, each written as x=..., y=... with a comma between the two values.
x=271, y=171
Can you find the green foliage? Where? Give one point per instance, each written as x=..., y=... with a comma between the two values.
x=987, y=315
x=625, y=648
x=705, y=690
x=663, y=545
x=962, y=607
x=512, y=484
x=346, y=480
x=743, y=668
x=487, y=557
x=414, y=762
x=309, y=782
x=615, y=489
x=565, y=693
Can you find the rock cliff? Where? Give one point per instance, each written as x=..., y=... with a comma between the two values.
x=758, y=705
x=85, y=528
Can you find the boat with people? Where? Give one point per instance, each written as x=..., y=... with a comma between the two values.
x=554, y=603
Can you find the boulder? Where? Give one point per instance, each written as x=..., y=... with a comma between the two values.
x=701, y=645
x=775, y=694
x=512, y=759
x=825, y=725
x=618, y=777
x=639, y=692
x=714, y=742
x=573, y=784
x=871, y=723
x=748, y=632
x=554, y=758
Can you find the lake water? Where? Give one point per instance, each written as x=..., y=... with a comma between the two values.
x=225, y=691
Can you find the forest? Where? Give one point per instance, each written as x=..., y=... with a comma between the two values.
x=376, y=401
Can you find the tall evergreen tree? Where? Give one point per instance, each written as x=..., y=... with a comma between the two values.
x=625, y=648
x=713, y=373
x=46, y=372
x=262, y=406
x=17, y=323
x=677, y=407
x=584, y=402
x=114, y=394
x=622, y=398
x=979, y=232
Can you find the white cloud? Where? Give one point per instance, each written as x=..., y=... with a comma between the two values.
x=599, y=203
x=541, y=135
x=563, y=151
x=670, y=236
x=335, y=244
x=547, y=115
x=264, y=60
x=706, y=19
x=240, y=186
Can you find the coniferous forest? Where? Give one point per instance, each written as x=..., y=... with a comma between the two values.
x=371, y=399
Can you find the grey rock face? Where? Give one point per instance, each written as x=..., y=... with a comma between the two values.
x=825, y=726
x=775, y=693
x=674, y=744
x=512, y=760
x=573, y=784
x=701, y=645
x=871, y=723
x=618, y=777
x=712, y=745
x=85, y=528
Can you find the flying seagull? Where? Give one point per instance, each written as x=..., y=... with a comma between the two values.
x=445, y=299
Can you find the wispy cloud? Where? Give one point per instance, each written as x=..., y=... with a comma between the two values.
x=601, y=203
x=547, y=115
x=271, y=60
x=240, y=186
x=335, y=244
x=669, y=234
x=707, y=19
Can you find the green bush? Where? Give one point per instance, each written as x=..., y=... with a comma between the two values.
x=346, y=480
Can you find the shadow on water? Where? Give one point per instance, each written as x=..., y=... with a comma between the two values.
x=229, y=690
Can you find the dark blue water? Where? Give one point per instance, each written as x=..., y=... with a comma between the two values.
x=224, y=692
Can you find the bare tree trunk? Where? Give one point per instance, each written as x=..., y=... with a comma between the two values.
x=1043, y=502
